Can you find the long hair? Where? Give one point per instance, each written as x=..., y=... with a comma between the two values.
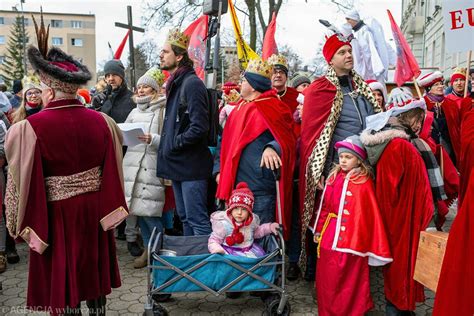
x=406, y=117
x=360, y=177
x=20, y=113
x=185, y=61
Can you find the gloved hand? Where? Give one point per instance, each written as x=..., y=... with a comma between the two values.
x=98, y=100
x=399, y=97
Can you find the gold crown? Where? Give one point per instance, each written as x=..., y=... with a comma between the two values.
x=233, y=96
x=260, y=67
x=278, y=60
x=31, y=82
x=176, y=38
x=460, y=70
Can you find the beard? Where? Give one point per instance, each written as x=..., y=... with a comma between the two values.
x=174, y=65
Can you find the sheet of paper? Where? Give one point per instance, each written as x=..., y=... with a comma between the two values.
x=130, y=132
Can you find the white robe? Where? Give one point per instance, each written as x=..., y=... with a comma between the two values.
x=368, y=62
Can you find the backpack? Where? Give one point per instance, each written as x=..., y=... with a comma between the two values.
x=213, y=97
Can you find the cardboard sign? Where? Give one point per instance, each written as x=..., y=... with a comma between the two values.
x=458, y=18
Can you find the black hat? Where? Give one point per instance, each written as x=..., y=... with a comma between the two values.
x=114, y=67
x=17, y=86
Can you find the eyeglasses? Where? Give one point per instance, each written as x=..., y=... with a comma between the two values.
x=31, y=93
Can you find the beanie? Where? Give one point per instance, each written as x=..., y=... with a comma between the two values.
x=149, y=81
x=241, y=197
x=352, y=145
x=459, y=73
x=298, y=79
x=17, y=86
x=114, y=67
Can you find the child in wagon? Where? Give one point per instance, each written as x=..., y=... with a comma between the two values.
x=235, y=229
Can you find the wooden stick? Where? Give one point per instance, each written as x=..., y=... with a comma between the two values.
x=469, y=54
x=417, y=88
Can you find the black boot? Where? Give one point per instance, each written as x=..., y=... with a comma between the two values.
x=97, y=306
x=134, y=249
x=293, y=271
x=73, y=311
x=10, y=247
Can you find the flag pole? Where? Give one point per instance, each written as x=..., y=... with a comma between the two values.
x=417, y=88
x=469, y=54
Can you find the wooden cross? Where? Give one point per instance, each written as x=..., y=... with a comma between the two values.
x=131, y=28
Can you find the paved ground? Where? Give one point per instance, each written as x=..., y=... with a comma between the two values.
x=129, y=299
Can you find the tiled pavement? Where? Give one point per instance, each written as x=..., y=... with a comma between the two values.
x=129, y=299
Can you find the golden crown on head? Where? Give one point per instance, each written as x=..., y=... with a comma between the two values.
x=177, y=38
x=260, y=67
x=278, y=60
x=460, y=70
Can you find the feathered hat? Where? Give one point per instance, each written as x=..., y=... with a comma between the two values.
x=333, y=42
x=56, y=69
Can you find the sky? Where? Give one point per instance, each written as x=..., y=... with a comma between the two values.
x=297, y=22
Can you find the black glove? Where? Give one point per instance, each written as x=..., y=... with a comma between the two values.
x=98, y=101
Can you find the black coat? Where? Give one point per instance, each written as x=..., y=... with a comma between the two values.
x=183, y=154
x=119, y=104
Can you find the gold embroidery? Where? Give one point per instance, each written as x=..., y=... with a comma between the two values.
x=64, y=187
x=12, y=199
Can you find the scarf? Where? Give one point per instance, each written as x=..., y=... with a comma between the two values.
x=432, y=167
x=31, y=105
x=180, y=71
x=435, y=98
x=236, y=237
x=143, y=102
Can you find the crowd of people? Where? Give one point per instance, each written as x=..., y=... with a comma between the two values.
x=351, y=174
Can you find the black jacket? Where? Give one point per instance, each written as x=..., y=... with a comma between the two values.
x=183, y=154
x=119, y=104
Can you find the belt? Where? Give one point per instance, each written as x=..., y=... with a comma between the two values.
x=64, y=187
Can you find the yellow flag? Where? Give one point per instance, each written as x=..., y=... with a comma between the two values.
x=244, y=52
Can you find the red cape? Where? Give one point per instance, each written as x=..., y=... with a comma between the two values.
x=243, y=126
x=452, y=113
x=289, y=98
x=405, y=200
x=318, y=100
x=454, y=295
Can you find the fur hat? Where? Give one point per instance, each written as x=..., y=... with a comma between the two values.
x=332, y=45
x=429, y=79
x=58, y=70
x=353, y=145
x=241, y=197
x=114, y=67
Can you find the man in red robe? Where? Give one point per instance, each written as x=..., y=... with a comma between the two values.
x=335, y=107
x=65, y=190
x=454, y=295
x=256, y=141
x=458, y=83
x=288, y=95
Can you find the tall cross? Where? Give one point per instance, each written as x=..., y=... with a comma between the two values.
x=131, y=28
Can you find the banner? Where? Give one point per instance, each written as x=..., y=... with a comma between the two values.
x=458, y=20
x=119, y=51
x=269, y=44
x=197, y=32
x=407, y=67
x=244, y=52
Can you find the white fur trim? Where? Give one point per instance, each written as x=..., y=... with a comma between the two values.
x=374, y=260
x=369, y=139
x=341, y=208
x=427, y=80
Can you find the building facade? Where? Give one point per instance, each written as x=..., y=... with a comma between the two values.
x=422, y=25
x=73, y=33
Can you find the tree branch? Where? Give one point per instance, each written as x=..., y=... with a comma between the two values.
x=260, y=16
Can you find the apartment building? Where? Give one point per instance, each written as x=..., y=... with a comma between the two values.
x=73, y=33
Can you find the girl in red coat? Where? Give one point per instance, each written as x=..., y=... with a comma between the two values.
x=350, y=234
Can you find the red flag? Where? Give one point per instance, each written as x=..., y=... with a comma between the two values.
x=407, y=66
x=269, y=44
x=197, y=32
x=119, y=51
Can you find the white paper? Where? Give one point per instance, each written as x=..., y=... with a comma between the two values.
x=130, y=132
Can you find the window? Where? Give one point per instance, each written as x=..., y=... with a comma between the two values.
x=2, y=39
x=57, y=40
x=2, y=59
x=77, y=42
x=76, y=24
x=26, y=21
x=56, y=23
x=2, y=20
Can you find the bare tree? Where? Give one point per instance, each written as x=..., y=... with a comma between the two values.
x=162, y=13
x=294, y=60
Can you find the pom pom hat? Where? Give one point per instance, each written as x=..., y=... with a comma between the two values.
x=353, y=145
x=459, y=73
x=241, y=197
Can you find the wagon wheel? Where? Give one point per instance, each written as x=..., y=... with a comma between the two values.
x=158, y=310
x=271, y=307
x=161, y=298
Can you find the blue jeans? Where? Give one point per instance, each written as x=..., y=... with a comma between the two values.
x=147, y=223
x=191, y=206
x=264, y=207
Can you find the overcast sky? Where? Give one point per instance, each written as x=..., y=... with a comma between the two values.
x=297, y=22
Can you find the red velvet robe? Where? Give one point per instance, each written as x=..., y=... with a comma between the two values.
x=454, y=295
x=406, y=204
x=452, y=114
x=289, y=98
x=72, y=255
x=248, y=121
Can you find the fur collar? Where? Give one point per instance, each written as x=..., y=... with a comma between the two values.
x=371, y=138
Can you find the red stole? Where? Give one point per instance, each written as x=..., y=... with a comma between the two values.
x=318, y=100
x=248, y=121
